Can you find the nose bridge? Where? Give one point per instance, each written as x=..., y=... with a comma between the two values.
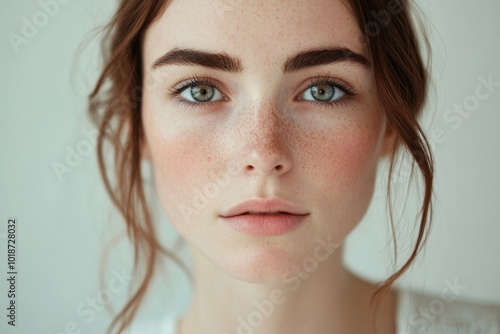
x=265, y=124
x=266, y=119
x=265, y=138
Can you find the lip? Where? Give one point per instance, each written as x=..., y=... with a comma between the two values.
x=276, y=217
x=265, y=224
x=264, y=205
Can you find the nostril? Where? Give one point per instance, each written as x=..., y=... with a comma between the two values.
x=278, y=167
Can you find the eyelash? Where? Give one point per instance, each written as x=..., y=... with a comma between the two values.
x=338, y=84
x=189, y=82
x=326, y=79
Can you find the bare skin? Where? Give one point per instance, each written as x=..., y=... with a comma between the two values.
x=314, y=307
x=263, y=132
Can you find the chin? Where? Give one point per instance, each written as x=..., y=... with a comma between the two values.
x=264, y=263
x=269, y=259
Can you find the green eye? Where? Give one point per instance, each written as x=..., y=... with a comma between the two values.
x=201, y=93
x=323, y=92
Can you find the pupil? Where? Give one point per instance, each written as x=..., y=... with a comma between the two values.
x=202, y=93
x=324, y=93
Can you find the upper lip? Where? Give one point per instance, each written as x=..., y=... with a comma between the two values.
x=274, y=205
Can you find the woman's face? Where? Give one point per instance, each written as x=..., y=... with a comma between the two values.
x=306, y=130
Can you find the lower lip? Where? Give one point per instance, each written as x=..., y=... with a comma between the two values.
x=265, y=225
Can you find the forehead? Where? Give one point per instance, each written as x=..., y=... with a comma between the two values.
x=259, y=29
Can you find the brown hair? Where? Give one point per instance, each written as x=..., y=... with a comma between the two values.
x=115, y=107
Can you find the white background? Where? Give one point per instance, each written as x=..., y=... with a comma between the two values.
x=63, y=225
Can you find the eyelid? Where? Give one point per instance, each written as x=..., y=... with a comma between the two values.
x=344, y=86
x=194, y=81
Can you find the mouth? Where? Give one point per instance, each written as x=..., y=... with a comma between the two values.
x=264, y=217
x=265, y=223
x=274, y=206
x=264, y=213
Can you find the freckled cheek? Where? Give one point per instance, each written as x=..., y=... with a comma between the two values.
x=346, y=172
x=180, y=165
x=174, y=162
x=347, y=158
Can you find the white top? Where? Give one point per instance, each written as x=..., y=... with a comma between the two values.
x=416, y=314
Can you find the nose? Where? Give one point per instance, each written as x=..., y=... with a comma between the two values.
x=266, y=142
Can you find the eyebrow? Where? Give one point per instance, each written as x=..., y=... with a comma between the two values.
x=227, y=63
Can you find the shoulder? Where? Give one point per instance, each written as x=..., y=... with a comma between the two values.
x=165, y=325
x=421, y=313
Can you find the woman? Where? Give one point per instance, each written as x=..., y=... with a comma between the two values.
x=263, y=122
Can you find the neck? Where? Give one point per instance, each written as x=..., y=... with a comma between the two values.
x=326, y=300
